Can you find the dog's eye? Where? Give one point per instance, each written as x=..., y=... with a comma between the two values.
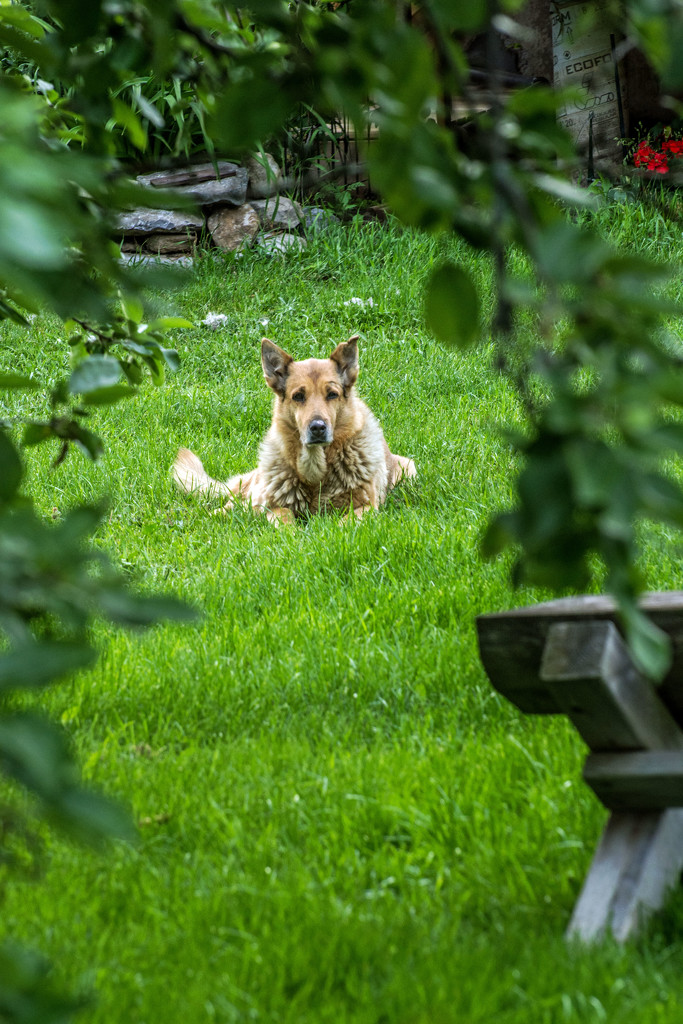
x=299, y=396
x=331, y=395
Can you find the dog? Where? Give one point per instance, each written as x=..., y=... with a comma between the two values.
x=324, y=451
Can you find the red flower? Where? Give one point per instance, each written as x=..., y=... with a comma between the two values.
x=652, y=159
x=655, y=156
x=643, y=154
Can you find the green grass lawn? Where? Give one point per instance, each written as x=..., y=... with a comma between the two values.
x=340, y=820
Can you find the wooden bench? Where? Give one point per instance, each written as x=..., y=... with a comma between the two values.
x=568, y=657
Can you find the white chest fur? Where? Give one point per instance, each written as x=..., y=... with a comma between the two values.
x=312, y=464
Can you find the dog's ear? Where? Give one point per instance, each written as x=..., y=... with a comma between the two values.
x=346, y=358
x=276, y=365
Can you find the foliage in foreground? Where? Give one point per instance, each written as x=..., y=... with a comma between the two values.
x=591, y=453
x=340, y=820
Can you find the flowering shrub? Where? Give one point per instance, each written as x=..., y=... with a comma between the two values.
x=657, y=155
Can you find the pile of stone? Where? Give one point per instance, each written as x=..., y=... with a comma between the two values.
x=235, y=206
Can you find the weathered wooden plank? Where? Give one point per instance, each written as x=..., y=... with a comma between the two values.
x=588, y=671
x=511, y=645
x=644, y=780
x=638, y=861
x=193, y=175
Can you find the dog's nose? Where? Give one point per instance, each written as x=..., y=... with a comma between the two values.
x=317, y=431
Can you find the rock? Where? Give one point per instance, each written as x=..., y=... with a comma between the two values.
x=231, y=188
x=281, y=242
x=139, y=260
x=317, y=219
x=278, y=212
x=167, y=243
x=232, y=228
x=264, y=180
x=143, y=221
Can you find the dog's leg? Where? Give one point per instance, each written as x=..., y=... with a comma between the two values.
x=360, y=511
x=407, y=467
x=280, y=516
x=368, y=501
x=400, y=467
x=277, y=516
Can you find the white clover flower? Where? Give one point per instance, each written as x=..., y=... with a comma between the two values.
x=355, y=301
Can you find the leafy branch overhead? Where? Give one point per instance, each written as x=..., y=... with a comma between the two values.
x=84, y=83
x=52, y=585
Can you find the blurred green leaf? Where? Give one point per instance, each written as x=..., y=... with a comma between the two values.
x=78, y=20
x=167, y=323
x=457, y=17
x=130, y=122
x=20, y=17
x=89, y=443
x=135, y=610
x=249, y=111
x=171, y=358
x=38, y=664
x=660, y=498
x=132, y=308
x=18, y=380
x=650, y=647
x=95, y=373
x=108, y=396
x=27, y=991
x=10, y=312
x=595, y=471
x=33, y=750
x=11, y=470
x=132, y=371
x=91, y=817
x=452, y=308
x=566, y=253
x=35, y=433
x=564, y=190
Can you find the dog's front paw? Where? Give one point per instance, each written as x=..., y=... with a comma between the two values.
x=280, y=516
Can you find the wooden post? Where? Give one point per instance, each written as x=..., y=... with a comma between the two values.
x=592, y=679
x=567, y=657
x=637, y=863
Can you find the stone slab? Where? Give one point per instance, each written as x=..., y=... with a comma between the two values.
x=143, y=221
x=170, y=243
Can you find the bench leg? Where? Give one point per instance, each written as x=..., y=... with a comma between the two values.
x=638, y=861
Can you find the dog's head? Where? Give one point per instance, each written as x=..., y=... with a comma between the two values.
x=313, y=393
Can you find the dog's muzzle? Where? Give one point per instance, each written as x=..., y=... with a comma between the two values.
x=318, y=432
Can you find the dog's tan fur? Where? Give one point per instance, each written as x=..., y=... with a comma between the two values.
x=324, y=450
